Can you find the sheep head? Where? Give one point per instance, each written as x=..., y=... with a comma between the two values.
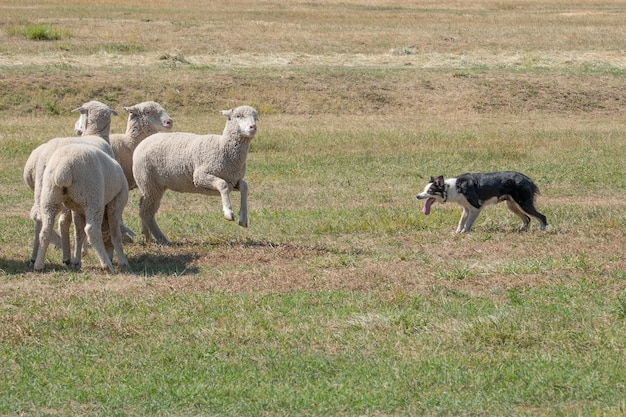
x=241, y=122
x=95, y=119
x=149, y=117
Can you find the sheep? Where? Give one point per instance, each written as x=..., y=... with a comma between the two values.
x=92, y=184
x=97, y=121
x=144, y=119
x=191, y=163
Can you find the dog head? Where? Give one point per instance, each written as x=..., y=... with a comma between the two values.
x=435, y=190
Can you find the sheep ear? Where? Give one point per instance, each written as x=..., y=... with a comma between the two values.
x=133, y=110
x=227, y=113
x=113, y=112
x=81, y=110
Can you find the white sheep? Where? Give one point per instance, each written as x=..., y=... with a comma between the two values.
x=144, y=119
x=92, y=184
x=191, y=163
x=97, y=122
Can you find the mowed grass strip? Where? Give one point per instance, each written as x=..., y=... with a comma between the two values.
x=314, y=352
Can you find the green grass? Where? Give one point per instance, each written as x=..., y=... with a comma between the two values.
x=416, y=321
x=313, y=353
x=35, y=32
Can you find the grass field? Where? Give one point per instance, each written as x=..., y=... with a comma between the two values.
x=341, y=298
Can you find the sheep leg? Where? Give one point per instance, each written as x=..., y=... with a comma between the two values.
x=44, y=236
x=65, y=221
x=148, y=206
x=93, y=230
x=210, y=183
x=243, y=209
x=54, y=239
x=128, y=232
x=115, y=233
x=33, y=253
x=79, y=239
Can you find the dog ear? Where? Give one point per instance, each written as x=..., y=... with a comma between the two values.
x=432, y=179
x=440, y=180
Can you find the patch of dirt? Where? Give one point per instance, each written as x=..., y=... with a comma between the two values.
x=464, y=264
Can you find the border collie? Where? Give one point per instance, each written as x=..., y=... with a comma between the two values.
x=473, y=191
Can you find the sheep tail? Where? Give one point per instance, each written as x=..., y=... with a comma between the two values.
x=63, y=176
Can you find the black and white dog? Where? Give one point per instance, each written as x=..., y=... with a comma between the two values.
x=476, y=190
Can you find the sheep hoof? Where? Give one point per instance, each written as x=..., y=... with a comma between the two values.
x=229, y=216
x=124, y=268
x=163, y=241
x=126, y=231
x=243, y=224
x=74, y=265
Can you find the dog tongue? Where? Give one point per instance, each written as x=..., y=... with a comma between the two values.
x=429, y=203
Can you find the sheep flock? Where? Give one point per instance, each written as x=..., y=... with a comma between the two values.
x=86, y=179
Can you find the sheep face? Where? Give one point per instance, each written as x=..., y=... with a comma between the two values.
x=151, y=115
x=243, y=119
x=81, y=124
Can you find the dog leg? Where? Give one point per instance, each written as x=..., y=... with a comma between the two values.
x=459, y=228
x=471, y=218
x=515, y=208
x=529, y=208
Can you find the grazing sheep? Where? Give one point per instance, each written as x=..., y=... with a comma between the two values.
x=97, y=122
x=91, y=184
x=190, y=163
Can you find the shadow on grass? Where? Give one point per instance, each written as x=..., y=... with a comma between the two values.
x=287, y=246
x=180, y=258
x=168, y=260
x=13, y=267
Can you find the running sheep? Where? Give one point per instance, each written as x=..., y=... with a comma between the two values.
x=95, y=126
x=91, y=184
x=191, y=163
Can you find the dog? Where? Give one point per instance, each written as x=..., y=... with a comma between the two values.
x=473, y=191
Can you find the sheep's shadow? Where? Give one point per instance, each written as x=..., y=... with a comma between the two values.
x=14, y=267
x=150, y=264
x=163, y=262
